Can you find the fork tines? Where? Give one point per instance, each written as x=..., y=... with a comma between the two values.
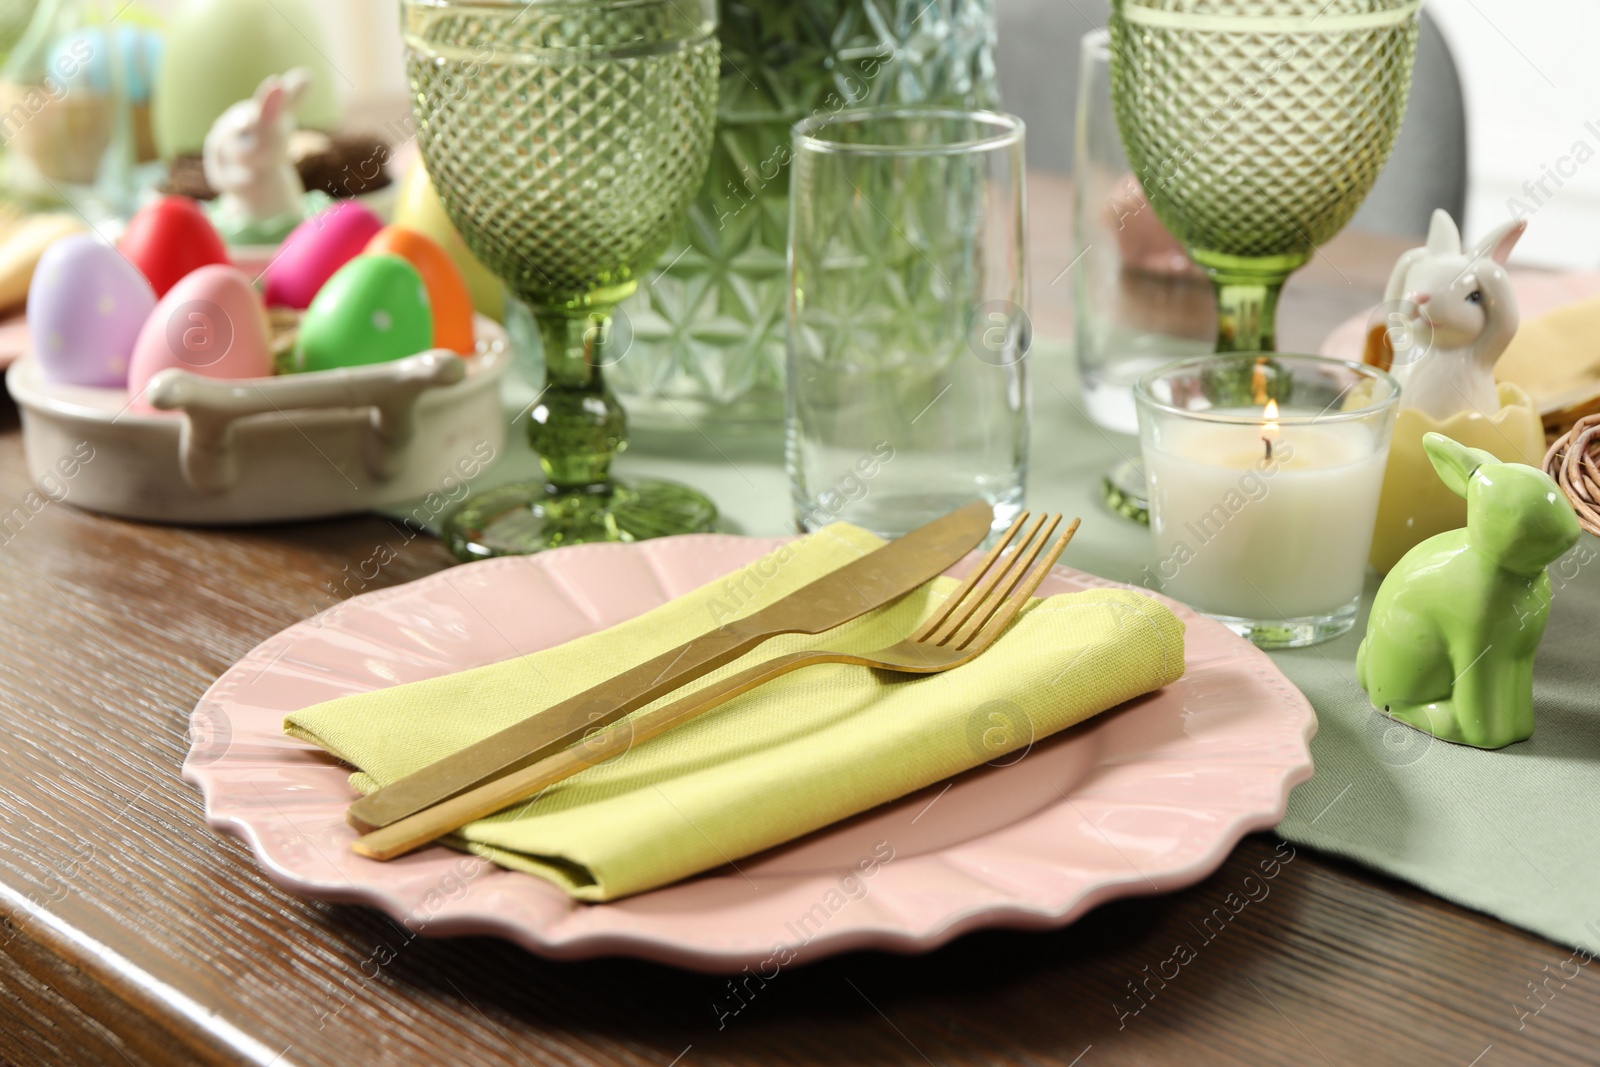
x=994, y=592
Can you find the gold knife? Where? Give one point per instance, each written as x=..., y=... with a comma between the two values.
x=832, y=600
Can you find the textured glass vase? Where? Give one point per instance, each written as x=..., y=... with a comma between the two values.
x=708, y=323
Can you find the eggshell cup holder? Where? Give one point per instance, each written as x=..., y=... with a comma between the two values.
x=294, y=446
x=1415, y=504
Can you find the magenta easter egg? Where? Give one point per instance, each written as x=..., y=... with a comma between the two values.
x=315, y=250
x=86, y=306
x=210, y=323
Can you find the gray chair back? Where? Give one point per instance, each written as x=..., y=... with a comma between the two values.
x=1037, y=57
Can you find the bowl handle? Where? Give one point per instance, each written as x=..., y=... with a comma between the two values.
x=206, y=444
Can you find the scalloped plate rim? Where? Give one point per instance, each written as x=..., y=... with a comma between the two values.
x=879, y=931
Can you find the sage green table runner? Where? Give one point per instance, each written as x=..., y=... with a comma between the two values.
x=1514, y=833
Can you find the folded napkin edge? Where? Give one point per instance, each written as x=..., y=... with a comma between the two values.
x=300, y=733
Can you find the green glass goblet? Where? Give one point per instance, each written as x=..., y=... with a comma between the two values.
x=1257, y=128
x=567, y=139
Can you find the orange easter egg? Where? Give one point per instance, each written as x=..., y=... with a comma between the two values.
x=448, y=297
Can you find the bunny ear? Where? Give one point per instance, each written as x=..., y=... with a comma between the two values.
x=296, y=81
x=271, y=101
x=268, y=84
x=1397, y=277
x=1443, y=237
x=1454, y=461
x=1500, y=241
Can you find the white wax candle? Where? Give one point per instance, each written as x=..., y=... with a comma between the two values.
x=1256, y=537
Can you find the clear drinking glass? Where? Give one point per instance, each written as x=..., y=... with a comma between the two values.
x=1138, y=301
x=908, y=388
x=566, y=139
x=1264, y=478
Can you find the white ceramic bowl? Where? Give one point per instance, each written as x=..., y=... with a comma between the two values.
x=296, y=446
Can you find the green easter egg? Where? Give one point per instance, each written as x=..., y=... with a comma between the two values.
x=373, y=310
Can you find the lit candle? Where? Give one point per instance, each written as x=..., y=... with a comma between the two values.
x=1263, y=515
x=1269, y=429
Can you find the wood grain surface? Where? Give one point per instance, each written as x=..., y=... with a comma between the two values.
x=134, y=934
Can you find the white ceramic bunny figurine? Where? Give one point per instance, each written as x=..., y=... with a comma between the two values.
x=246, y=155
x=1468, y=304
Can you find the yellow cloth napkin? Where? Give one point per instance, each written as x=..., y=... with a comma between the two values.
x=796, y=754
x=1556, y=356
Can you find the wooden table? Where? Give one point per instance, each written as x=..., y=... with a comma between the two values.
x=133, y=933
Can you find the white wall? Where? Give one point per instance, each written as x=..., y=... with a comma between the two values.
x=365, y=36
x=1532, y=83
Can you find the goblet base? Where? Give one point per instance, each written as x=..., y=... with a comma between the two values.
x=1126, y=492
x=528, y=517
x=1293, y=633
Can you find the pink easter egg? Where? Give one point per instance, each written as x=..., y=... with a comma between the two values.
x=210, y=323
x=314, y=250
x=86, y=305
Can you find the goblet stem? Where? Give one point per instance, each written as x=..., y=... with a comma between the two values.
x=1247, y=290
x=577, y=426
x=1247, y=314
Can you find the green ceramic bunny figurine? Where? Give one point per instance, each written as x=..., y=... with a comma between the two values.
x=1449, y=647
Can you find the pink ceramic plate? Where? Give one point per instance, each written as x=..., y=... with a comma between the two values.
x=1537, y=292
x=1146, y=798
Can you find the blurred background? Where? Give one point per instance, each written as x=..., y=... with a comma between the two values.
x=1527, y=79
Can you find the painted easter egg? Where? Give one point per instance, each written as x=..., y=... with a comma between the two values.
x=168, y=238
x=217, y=52
x=210, y=323
x=448, y=298
x=417, y=208
x=314, y=250
x=373, y=310
x=86, y=305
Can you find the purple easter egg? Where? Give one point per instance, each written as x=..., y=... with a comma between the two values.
x=86, y=305
x=315, y=250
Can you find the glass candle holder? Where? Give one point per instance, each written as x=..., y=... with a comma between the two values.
x=1264, y=473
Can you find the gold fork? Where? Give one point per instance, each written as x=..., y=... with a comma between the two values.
x=966, y=624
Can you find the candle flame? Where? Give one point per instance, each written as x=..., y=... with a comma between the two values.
x=1269, y=429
